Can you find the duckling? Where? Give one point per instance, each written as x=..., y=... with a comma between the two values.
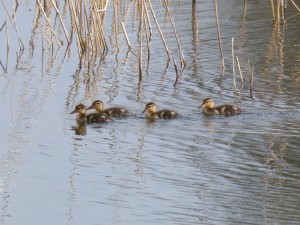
x=113, y=111
x=90, y=118
x=209, y=109
x=162, y=114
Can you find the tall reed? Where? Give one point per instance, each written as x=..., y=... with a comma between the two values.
x=219, y=37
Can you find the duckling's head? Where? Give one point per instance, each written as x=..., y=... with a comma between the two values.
x=150, y=107
x=80, y=109
x=207, y=103
x=98, y=105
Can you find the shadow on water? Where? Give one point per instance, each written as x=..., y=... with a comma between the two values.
x=194, y=169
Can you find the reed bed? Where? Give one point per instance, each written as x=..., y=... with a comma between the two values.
x=87, y=25
x=86, y=28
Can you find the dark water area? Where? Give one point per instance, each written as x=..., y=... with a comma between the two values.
x=196, y=169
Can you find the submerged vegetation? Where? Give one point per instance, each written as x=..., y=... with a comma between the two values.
x=82, y=23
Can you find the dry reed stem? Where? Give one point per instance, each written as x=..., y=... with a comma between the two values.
x=233, y=64
x=251, y=80
x=7, y=35
x=240, y=71
x=104, y=9
x=182, y=59
x=250, y=70
x=177, y=74
x=7, y=40
x=3, y=26
x=149, y=22
x=80, y=41
x=125, y=34
x=94, y=40
x=282, y=11
x=273, y=9
x=197, y=35
x=88, y=34
x=141, y=8
x=278, y=13
x=244, y=10
x=147, y=39
x=49, y=23
x=219, y=37
x=89, y=38
x=160, y=32
x=74, y=26
x=96, y=21
x=7, y=46
x=61, y=21
x=295, y=5
x=15, y=28
x=100, y=20
x=116, y=12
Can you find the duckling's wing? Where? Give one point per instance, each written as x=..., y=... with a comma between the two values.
x=166, y=114
x=97, y=118
x=116, y=111
x=229, y=110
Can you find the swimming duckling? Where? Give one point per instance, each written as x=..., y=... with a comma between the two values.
x=209, y=109
x=162, y=114
x=90, y=118
x=113, y=111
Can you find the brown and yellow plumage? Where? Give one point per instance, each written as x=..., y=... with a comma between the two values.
x=113, y=111
x=89, y=118
x=210, y=109
x=162, y=114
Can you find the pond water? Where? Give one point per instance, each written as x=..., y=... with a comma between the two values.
x=192, y=170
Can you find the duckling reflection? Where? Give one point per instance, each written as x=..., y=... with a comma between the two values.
x=80, y=129
x=113, y=111
x=82, y=117
x=210, y=109
x=162, y=114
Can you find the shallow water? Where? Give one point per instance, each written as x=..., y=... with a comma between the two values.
x=193, y=170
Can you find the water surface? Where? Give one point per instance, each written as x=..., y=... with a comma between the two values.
x=192, y=170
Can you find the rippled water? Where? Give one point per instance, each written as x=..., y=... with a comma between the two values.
x=192, y=170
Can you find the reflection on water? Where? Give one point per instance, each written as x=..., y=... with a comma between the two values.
x=80, y=129
x=194, y=169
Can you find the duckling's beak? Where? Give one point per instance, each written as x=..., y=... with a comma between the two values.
x=145, y=110
x=75, y=110
x=91, y=107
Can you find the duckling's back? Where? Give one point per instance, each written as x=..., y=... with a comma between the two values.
x=116, y=112
x=228, y=110
x=166, y=114
x=97, y=118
